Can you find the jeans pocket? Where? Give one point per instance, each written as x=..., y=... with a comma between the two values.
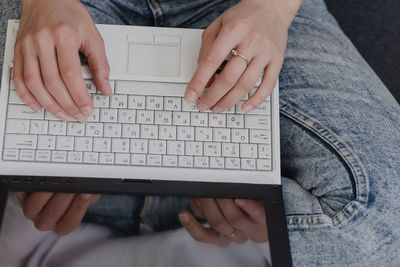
x=328, y=184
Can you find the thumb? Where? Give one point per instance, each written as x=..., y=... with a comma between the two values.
x=95, y=53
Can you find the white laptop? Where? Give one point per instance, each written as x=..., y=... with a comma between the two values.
x=145, y=130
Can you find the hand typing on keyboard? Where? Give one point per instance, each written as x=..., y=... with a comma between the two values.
x=47, y=69
x=255, y=33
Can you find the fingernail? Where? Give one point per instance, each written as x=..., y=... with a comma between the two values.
x=240, y=202
x=247, y=108
x=108, y=87
x=86, y=196
x=217, y=109
x=201, y=106
x=79, y=117
x=87, y=111
x=190, y=96
x=35, y=108
x=62, y=116
x=184, y=218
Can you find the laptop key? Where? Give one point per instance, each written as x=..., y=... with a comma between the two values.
x=17, y=126
x=20, y=141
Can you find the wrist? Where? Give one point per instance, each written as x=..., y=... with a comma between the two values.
x=286, y=10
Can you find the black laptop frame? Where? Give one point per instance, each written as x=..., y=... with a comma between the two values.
x=271, y=194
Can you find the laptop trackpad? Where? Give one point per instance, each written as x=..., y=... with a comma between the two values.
x=154, y=60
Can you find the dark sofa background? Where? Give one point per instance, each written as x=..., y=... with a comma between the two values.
x=374, y=28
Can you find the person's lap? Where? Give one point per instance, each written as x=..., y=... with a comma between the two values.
x=339, y=127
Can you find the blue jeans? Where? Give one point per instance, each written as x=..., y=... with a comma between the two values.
x=340, y=138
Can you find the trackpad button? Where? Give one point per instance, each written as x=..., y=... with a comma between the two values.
x=154, y=60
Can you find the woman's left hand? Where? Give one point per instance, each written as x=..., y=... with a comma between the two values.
x=258, y=30
x=230, y=221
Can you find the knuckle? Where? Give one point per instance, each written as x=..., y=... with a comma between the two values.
x=68, y=73
x=31, y=80
x=82, y=97
x=197, y=236
x=52, y=81
x=106, y=67
x=205, y=35
x=260, y=97
x=218, y=225
x=228, y=78
x=24, y=96
x=65, y=33
x=236, y=24
x=244, y=85
x=41, y=36
x=63, y=28
x=81, y=207
x=26, y=43
x=196, y=85
x=254, y=37
x=209, y=60
x=236, y=221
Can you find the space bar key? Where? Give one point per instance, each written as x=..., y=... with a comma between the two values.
x=150, y=88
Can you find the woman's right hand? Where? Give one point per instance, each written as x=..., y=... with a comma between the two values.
x=47, y=69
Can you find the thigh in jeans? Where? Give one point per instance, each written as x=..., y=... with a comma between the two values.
x=340, y=130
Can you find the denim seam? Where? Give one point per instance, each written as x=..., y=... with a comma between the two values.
x=157, y=12
x=143, y=213
x=358, y=172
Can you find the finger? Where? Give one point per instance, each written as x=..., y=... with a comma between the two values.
x=70, y=69
x=18, y=80
x=200, y=233
x=21, y=197
x=74, y=214
x=98, y=63
x=52, y=80
x=223, y=83
x=234, y=215
x=254, y=209
x=271, y=75
x=227, y=39
x=196, y=208
x=34, y=83
x=54, y=210
x=208, y=37
x=243, y=86
x=215, y=217
x=236, y=218
x=231, y=74
x=33, y=204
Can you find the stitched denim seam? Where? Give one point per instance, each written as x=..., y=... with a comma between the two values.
x=157, y=12
x=143, y=213
x=359, y=176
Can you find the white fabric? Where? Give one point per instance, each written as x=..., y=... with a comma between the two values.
x=92, y=245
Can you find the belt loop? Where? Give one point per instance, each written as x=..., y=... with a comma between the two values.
x=157, y=12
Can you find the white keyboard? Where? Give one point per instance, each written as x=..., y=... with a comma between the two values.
x=142, y=125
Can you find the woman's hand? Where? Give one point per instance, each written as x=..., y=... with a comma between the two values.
x=230, y=221
x=257, y=29
x=47, y=69
x=60, y=213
